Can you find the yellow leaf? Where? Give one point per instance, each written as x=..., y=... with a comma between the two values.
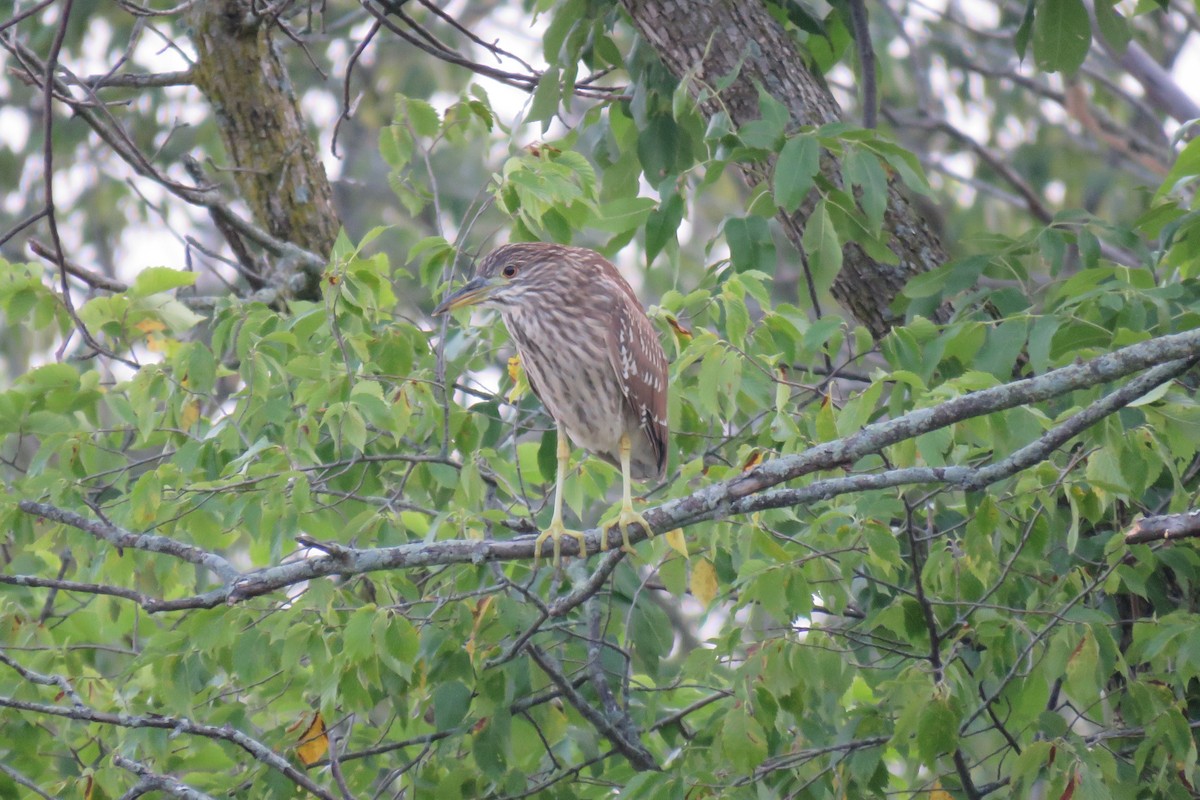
x=939, y=793
x=755, y=458
x=517, y=375
x=679, y=329
x=149, y=325
x=704, y=581
x=677, y=542
x=314, y=742
x=480, y=614
x=189, y=415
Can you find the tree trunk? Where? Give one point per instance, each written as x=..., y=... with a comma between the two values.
x=273, y=158
x=711, y=39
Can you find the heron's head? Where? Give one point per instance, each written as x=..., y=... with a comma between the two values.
x=516, y=276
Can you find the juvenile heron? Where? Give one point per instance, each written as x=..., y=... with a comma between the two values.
x=592, y=358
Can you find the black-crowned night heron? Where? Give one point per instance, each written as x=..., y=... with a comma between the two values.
x=592, y=357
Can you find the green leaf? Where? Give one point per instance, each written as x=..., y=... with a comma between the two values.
x=1062, y=35
x=565, y=17
x=1003, y=346
x=658, y=147
x=906, y=165
x=492, y=747
x=937, y=728
x=862, y=169
x=827, y=50
x=546, y=96
x=771, y=124
x=947, y=279
x=1104, y=470
x=173, y=313
x=146, y=498
x=743, y=740
x=662, y=225
x=1113, y=26
x=153, y=280
x=52, y=376
x=798, y=163
x=1041, y=337
x=751, y=246
x=451, y=701
x=547, y=455
x=737, y=318
x=420, y=115
x=1083, y=678
x=396, y=146
x=1187, y=165
x=710, y=380
x=625, y=214
x=823, y=247
x=201, y=369
x=1025, y=30
x=357, y=637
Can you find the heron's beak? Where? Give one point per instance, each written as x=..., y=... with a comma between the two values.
x=474, y=292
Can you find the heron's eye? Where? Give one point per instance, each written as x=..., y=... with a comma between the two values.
x=508, y=271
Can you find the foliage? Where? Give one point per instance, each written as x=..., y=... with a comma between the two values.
x=884, y=567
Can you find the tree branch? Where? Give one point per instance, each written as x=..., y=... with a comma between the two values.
x=21, y=780
x=152, y=543
x=633, y=750
x=153, y=782
x=744, y=494
x=60, y=681
x=1165, y=528
x=257, y=749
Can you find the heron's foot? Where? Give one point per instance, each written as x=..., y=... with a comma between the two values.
x=624, y=520
x=555, y=533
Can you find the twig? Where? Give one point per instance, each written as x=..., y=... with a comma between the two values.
x=93, y=279
x=60, y=681
x=153, y=543
x=347, y=110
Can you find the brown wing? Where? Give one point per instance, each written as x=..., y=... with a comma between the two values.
x=641, y=368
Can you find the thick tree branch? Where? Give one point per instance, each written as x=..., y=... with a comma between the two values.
x=1165, y=528
x=707, y=43
x=744, y=494
x=278, y=171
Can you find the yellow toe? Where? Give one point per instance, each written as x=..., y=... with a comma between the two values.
x=627, y=518
x=555, y=533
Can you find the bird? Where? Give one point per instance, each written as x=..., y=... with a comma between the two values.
x=591, y=356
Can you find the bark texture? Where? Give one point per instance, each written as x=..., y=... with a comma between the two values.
x=711, y=39
x=274, y=160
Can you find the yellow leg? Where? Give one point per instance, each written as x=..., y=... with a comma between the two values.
x=627, y=516
x=557, y=530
